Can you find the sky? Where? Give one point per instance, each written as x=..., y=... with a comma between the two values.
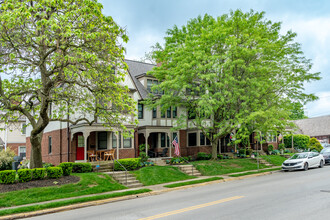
x=146, y=22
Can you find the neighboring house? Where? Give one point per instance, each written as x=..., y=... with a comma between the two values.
x=318, y=127
x=64, y=142
x=13, y=136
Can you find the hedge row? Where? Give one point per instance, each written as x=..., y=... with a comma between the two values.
x=129, y=164
x=25, y=175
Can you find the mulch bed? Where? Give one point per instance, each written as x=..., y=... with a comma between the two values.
x=39, y=183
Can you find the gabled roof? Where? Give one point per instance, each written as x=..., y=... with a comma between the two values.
x=317, y=126
x=137, y=69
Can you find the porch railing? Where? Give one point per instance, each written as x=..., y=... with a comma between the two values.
x=114, y=161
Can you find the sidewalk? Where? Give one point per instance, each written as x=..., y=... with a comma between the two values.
x=156, y=189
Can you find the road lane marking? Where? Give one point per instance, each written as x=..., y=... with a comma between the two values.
x=191, y=208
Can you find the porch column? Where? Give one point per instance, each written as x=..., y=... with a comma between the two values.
x=118, y=142
x=170, y=142
x=86, y=135
x=146, y=135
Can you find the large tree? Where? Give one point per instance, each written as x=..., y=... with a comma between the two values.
x=231, y=73
x=64, y=56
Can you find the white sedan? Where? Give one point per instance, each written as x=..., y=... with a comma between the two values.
x=303, y=161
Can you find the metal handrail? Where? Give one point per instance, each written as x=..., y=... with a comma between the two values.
x=192, y=166
x=114, y=161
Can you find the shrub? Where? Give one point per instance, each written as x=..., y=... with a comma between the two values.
x=242, y=152
x=142, y=153
x=203, y=156
x=270, y=148
x=46, y=165
x=315, y=145
x=146, y=164
x=255, y=154
x=189, y=158
x=287, y=151
x=177, y=160
x=54, y=172
x=129, y=164
x=6, y=159
x=24, y=175
x=7, y=176
x=300, y=141
x=81, y=167
x=275, y=152
x=248, y=151
x=220, y=157
x=67, y=168
x=281, y=146
x=38, y=173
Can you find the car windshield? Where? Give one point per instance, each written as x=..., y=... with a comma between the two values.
x=325, y=150
x=299, y=156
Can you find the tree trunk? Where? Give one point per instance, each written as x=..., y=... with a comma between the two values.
x=36, y=156
x=214, y=149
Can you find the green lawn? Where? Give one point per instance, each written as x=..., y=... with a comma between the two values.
x=219, y=167
x=276, y=160
x=159, y=174
x=90, y=183
x=69, y=202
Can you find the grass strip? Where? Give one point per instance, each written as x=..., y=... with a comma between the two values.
x=69, y=202
x=276, y=160
x=254, y=172
x=90, y=183
x=193, y=182
x=227, y=166
x=159, y=174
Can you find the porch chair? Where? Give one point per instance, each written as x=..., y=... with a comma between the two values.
x=164, y=152
x=91, y=155
x=109, y=154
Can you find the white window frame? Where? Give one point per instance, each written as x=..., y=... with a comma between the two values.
x=19, y=150
x=23, y=128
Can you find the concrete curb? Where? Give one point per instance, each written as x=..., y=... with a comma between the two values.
x=122, y=198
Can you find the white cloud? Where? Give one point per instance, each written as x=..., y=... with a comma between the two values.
x=319, y=107
x=141, y=43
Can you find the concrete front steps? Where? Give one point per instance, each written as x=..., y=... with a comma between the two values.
x=102, y=166
x=120, y=177
x=161, y=161
x=189, y=169
x=262, y=161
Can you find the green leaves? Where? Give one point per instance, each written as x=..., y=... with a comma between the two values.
x=248, y=72
x=65, y=53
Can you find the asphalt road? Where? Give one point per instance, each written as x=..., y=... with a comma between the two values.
x=282, y=195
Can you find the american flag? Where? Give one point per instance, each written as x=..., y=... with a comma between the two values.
x=175, y=142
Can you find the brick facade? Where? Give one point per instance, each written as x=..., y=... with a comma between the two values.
x=59, y=151
x=14, y=146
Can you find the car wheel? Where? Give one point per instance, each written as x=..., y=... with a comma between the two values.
x=321, y=164
x=306, y=166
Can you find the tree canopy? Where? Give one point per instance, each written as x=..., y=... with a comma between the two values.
x=297, y=111
x=236, y=72
x=61, y=53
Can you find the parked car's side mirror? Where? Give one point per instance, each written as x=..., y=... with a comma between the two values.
x=310, y=157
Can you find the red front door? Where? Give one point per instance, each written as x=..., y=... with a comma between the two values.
x=80, y=150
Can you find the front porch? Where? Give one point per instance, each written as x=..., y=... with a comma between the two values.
x=158, y=141
x=95, y=142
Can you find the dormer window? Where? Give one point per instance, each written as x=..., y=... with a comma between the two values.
x=150, y=84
